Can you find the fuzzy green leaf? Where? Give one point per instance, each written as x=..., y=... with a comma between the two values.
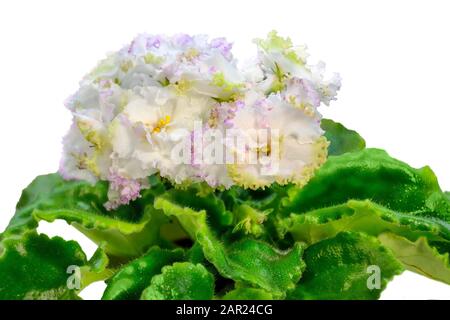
x=246, y=293
x=342, y=140
x=346, y=267
x=372, y=219
x=419, y=256
x=181, y=281
x=370, y=192
x=37, y=267
x=119, y=238
x=125, y=232
x=52, y=191
x=370, y=174
x=252, y=261
x=129, y=282
x=363, y=216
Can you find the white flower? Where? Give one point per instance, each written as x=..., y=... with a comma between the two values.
x=150, y=125
x=167, y=105
x=283, y=143
x=280, y=61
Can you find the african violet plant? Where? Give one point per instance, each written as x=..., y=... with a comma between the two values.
x=201, y=180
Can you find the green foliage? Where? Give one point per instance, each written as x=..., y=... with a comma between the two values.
x=361, y=209
x=181, y=281
x=342, y=140
x=248, y=260
x=37, y=267
x=419, y=256
x=129, y=282
x=346, y=267
x=126, y=232
x=246, y=293
x=369, y=174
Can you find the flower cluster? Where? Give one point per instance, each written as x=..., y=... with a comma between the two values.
x=166, y=105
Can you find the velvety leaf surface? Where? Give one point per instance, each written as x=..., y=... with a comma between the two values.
x=181, y=281
x=361, y=209
x=129, y=282
x=244, y=293
x=342, y=140
x=260, y=264
x=119, y=238
x=199, y=197
x=36, y=267
x=343, y=268
x=372, y=219
x=52, y=191
x=364, y=216
x=370, y=174
x=419, y=256
x=125, y=232
x=401, y=200
x=248, y=260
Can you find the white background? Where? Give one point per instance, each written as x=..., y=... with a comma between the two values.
x=393, y=57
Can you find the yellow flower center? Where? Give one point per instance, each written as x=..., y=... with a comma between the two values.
x=191, y=54
x=161, y=124
x=182, y=86
x=264, y=151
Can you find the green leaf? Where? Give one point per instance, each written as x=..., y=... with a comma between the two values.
x=342, y=140
x=246, y=293
x=129, y=282
x=37, y=267
x=126, y=232
x=252, y=261
x=181, y=281
x=258, y=263
x=119, y=238
x=260, y=199
x=249, y=220
x=370, y=174
x=98, y=268
x=192, y=221
x=401, y=200
x=52, y=191
x=419, y=256
x=363, y=216
x=198, y=197
x=346, y=267
x=195, y=254
x=99, y=261
x=372, y=219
